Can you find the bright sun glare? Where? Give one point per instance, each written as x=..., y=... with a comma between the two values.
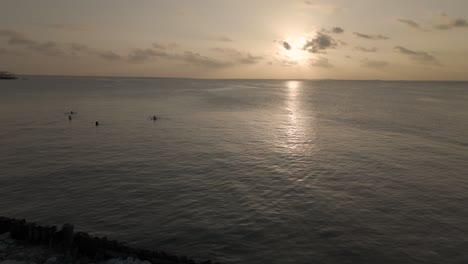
x=296, y=53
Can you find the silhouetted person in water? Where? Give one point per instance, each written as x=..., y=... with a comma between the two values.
x=69, y=118
x=154, y=118
x=97, y=123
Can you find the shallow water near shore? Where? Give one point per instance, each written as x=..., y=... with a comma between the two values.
x=244, y=171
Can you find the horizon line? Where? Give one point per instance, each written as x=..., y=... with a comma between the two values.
x=240, y=79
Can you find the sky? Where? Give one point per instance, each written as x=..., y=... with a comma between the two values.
x=248, y=39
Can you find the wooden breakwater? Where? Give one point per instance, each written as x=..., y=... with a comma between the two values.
x=81, y=247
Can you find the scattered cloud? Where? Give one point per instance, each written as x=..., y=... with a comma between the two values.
x=9, y=33
x=20, y=40
x=364, y=49
x=320, y=6
x=287, y=62
x=333, y=30
x=144, y=55
x=68, y=27
x=238, y=56
x=320, y=43
x=418, y=56
x=194, y=58
x=49, y=48
x=374, y=64
x=442, y=14
x=337, y=30
x=284, y=60
x=106, y=55
x=286, y=45
x=224, y=39
x=110, y=56
x=15, y=37
x=221, y=38
x=165, y=46
x=77, y=47
x=321, y=62
x=455, y=23
x=410, y=23
x=4, y=51
x=372, y=37
x=342, y=43
x=227, y=58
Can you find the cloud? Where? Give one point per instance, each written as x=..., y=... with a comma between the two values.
x=372, y=37
x=197, y=59
x=49, y=48
x=79, y=47
x=165, y=46
x=144, y=55
x=4, y=51
x=223, y=39
x=110, y=56
x=250, y=59
x=105, y=55
x=16, y=38
x=321, y=62
x=442, y=14
x=21, y=41
x=286, y=62
x=9, y=33
x=418, y=56
x=374, y=64
x=364, y=49
x=409, y=23
x=286, y=45
x=320, y=6
x=238, y=56
x=455, y=23
x=337, y=30
x=230, y=57
x=320, y=43
x=333, y=30
x=68, y=27
x=158, y=51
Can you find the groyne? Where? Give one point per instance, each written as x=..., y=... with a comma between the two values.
x=81, y=247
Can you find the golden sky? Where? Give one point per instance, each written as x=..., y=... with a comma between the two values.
x=272, y=39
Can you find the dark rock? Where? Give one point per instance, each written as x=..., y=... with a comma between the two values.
x=80, y=247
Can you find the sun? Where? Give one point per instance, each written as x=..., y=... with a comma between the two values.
x=295, y=52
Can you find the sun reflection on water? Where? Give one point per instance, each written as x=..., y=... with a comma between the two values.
x=294, y=128
x=297, y=136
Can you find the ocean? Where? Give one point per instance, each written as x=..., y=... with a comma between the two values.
x=244, y=171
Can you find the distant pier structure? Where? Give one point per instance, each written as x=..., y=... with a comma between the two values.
x=4, y=75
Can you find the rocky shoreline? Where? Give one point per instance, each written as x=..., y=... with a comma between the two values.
x=22, y=242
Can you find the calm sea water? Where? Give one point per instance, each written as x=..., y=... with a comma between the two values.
x=244, y=171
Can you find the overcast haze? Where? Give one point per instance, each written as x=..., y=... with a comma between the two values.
x=338, y=39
